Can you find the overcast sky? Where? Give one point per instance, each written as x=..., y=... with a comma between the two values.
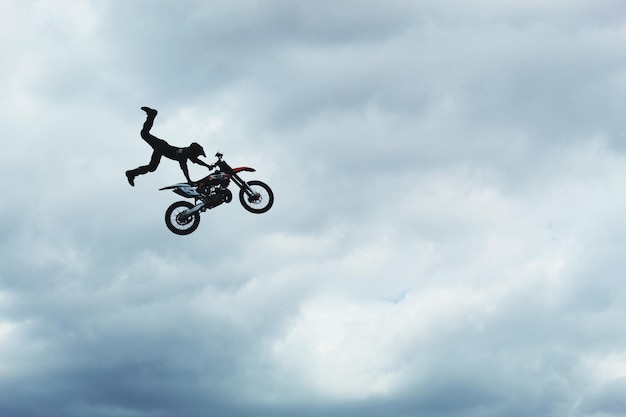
x=448, y=233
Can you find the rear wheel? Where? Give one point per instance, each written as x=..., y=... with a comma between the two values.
x=258, y=198
x=179, y=223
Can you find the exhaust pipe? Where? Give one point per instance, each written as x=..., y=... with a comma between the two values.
x=194, y=209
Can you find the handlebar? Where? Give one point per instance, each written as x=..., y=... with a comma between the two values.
x=219, y=156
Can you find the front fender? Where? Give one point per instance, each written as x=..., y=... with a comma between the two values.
x=239, y=169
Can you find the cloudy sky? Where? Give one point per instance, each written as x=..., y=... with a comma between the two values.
x=447, y=238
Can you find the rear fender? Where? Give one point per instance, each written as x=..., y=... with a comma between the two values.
x=179, y=185
x=183, y=189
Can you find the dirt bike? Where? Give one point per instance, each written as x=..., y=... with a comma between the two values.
x=183, y=218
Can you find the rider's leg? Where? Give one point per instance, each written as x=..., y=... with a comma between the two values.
x=157, y=144
x=151, y=167
x=160, y=147
x=147, y=125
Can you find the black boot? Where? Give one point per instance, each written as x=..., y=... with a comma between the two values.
x=131, y=178
x=149, y=111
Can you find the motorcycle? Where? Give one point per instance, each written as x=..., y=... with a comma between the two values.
x=183, y=217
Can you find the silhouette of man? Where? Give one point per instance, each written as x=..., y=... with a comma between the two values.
x=162, y=148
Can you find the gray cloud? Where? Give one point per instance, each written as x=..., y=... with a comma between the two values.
x=447, y=235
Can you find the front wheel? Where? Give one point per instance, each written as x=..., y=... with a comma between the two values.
x=257, y=197
x=177, y=222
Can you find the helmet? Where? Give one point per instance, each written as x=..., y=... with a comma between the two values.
x=197, y=149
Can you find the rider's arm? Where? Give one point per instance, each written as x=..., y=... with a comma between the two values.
x=183, y=166
x=198, y=161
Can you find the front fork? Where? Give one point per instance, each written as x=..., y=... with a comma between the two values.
x=243, y=185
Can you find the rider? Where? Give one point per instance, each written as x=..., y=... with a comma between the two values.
x=162, y=148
